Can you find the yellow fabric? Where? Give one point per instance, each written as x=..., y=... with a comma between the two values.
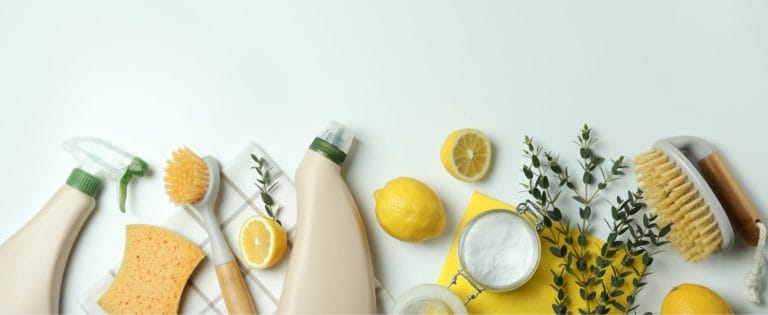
x=536, y=296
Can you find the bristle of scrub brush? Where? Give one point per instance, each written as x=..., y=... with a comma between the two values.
x=186, y=177
x=673, y=197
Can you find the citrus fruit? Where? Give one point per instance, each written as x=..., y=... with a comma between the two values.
x=262, y=241
x=466, y=154
x=409, y=210
x=694, y=299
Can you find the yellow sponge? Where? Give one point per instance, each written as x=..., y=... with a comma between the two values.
x=156, y=266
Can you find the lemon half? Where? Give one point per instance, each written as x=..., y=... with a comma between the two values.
x=466, y=154
x=262, y=242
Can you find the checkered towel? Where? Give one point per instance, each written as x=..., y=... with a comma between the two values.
x=238, y=200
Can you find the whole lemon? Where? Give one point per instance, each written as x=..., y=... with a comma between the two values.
x=694, y=299
x=409, y=210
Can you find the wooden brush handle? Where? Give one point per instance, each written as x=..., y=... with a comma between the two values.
x=737, y=205
x=233, y=289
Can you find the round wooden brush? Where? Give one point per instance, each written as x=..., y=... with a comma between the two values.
x=687, y=184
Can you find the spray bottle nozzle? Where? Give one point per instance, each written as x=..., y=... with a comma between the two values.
x=101, y=159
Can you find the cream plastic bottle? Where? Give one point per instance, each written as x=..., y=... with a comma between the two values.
x=32, y=261
x=330, y=268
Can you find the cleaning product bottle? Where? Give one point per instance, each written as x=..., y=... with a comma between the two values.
x=32, y=260
x=330, y=268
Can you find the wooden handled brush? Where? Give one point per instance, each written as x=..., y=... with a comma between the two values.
x=699, y=204
x=738, y=206
x=194, y=181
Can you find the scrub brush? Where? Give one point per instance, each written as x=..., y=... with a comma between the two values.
x=194, y=182
x=699, y=200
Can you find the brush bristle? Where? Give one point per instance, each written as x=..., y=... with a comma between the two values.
x=186, y=177
x=674, y=198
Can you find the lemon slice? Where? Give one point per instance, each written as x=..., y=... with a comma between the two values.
x=262, y=242
x=466, y=154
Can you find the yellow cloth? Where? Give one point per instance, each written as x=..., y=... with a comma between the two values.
x=536, y=296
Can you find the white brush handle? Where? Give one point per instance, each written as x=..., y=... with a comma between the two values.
x=233, y=289
x=221, y=252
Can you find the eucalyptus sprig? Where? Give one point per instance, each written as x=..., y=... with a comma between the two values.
x=583, y=263
x=265, y=185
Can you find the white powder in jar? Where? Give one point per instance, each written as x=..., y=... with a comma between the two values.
x=500, y=249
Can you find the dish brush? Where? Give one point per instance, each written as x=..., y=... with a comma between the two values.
x=193, y=181
x=687, y=184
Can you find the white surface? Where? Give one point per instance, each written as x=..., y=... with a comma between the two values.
x=153, y=75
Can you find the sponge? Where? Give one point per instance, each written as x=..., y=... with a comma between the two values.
x=156, y=266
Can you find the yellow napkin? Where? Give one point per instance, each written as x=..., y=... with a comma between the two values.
x=536, y=296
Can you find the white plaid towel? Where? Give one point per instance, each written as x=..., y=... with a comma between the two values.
x=238, y=200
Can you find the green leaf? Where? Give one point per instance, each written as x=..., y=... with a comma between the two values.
x=587, y=178
x=647, y=259
x=585, y=132
x=600, y=272
x=617, y=281
x=665, y=230
x=600, y=309
x=267, y=199
x=585, y=213
x=597, y=160
x=581, y=265
x=527, y=172
x=619, y=307
x=585, y=153
x=535, y=161
x=555, y=251
x=536, y=193
x=582, y=240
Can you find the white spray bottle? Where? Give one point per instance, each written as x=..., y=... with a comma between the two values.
x=32, y=260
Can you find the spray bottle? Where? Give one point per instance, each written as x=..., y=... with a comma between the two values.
x=32, y=260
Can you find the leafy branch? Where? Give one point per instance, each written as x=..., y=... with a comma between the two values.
x=265, y=185
x=546, y=181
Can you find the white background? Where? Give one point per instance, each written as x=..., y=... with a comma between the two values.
x=150, y=76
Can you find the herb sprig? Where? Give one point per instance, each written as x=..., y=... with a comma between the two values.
x=266, y=186
x=583, y=263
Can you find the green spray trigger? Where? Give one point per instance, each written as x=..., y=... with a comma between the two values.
x=137, y=168
x=103, y=160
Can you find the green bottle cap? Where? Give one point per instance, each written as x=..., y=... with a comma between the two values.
x=84, y=182
x=328, y=150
